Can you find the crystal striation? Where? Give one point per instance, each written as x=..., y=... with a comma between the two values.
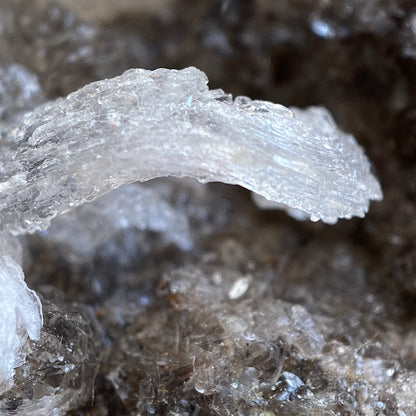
x=146, y=124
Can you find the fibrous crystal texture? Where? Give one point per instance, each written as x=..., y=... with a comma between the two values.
x=146, y=124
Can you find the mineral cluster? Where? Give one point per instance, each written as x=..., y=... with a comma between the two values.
x=172, y=297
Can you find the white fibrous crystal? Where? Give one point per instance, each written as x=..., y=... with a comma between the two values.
x=146, y=124
x=87, y=227
x=20, y=313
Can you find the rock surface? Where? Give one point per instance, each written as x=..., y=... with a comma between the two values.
x=264, y=315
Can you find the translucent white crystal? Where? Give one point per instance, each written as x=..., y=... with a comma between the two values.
x=86, y=227
x=146, y=124
x=20, y=313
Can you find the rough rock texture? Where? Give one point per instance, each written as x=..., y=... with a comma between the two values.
x=59, y=371
x=265, y=315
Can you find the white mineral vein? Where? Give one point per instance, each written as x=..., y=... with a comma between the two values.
x=146, y=124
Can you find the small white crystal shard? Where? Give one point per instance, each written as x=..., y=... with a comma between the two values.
x=240, y=287
x=146, y=124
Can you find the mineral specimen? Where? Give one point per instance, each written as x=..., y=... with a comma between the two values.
x=251, y=313
x=166, y=123
x=147, y=124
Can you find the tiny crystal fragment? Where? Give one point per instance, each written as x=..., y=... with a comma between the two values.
x=239, y=287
